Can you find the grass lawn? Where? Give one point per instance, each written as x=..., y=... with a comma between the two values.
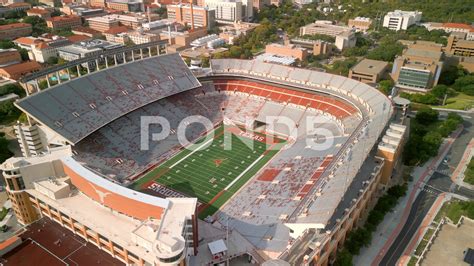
x=469, y=173
x=459, y=102
x=421, y=247
x=455, y=209
x=209, y=172
x=412, y=261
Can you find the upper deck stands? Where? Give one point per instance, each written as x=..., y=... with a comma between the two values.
x=373, y=102
x=79, y=107
x=330, y=105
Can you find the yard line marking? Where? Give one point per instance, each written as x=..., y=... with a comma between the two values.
x=245, y=171
x=185, y=157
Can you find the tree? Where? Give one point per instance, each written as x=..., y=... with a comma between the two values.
x=43, y=84
x=439, y=91
x=24, y=54
x=432, y=141
x=6, y=44
x=162, y=12
x=386, y=51
x=426, y=116
x=55, y=13
x=53, y=60
x=385, y=86
x=8, y=112
x=343, y=258
x=12, y=88
x=355, y=51
x=187, y=60
x=205, y=62
x=38, y=25
x=465, y=84
x=5, y=152
x=450, y=74
x=341, y=67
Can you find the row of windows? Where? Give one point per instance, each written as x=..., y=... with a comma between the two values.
x=15, y=180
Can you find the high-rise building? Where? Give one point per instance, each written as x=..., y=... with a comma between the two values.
x=203, y=17
x=401, y=20
x=231, y=10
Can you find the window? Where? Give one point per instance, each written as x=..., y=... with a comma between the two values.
x=10, y=184
x=20, y=183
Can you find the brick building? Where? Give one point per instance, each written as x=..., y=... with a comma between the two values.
x=64, y=22
x=14, y=30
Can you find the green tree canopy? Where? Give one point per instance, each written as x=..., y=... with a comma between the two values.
x=426, y=116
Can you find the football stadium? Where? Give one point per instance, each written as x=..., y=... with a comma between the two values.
x=289, y=161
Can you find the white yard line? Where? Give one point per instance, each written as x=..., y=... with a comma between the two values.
x=191, y=153
x=245, y=171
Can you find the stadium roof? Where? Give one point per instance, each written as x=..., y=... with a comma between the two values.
x=76, y=108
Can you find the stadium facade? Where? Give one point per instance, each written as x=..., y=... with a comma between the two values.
x=297, y=207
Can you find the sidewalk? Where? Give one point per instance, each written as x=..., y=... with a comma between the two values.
x=458, y=173
x=393, y=222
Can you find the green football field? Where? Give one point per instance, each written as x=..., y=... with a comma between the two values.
x=209, y=172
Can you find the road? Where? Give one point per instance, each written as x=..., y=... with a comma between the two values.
x=439, y=182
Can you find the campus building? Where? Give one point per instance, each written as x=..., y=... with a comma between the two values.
x=40, y=12
x=458, y=45
x=133, y=227
x=369, y=71
x=64, y=22
x=203, y=16
x=85, y=49
x=360, y=23
x=107, y=22
x=287, y=50
x=401, y=20
x=344, y=36
x=390, y=148
x=419, y=67
x=15, y=30
x=230, y=11
x=452, y=28
x=9, y=57
x=16, y=71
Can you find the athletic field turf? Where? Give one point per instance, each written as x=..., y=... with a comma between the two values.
x=211, y=173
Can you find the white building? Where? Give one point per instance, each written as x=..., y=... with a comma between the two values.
x=156, y=25
x=302, y=2
x=204, y=40
x=84, y=49
x=401, y=20
x=41, y=49
x=345, y=40
x=231, y=10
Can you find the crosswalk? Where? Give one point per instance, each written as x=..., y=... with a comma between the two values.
x=430, y=190
x=444, y=171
